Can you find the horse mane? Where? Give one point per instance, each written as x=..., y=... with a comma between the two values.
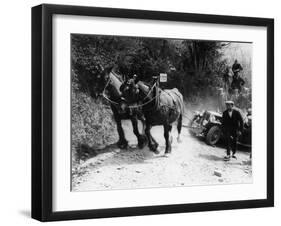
x=111, y=69
x=117, y=75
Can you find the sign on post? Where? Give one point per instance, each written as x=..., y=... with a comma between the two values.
x=163, y=77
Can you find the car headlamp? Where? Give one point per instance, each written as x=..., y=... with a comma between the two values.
x=212, y=118
x=205, y=122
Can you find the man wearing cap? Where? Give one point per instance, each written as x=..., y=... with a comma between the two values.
x=232, y=125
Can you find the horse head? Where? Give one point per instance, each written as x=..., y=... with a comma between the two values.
x=134, y=90
x=130, y=90
x=102, y=77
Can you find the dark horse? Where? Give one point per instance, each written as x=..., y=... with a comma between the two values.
x=160, y=107
x=108, y=83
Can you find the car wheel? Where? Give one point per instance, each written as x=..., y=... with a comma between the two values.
x=213, y=135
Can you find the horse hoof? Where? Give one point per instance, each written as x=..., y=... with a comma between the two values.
x=142, y=142
x=168, y=150
x=167, y=154
x=156, y=152
x=122, y=145
x=153, y=148
x=141, y=145
x=156, y=145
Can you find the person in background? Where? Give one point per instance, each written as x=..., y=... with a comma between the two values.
x=237, y=81
x=236, y=68
x=226, y=80
x=232, y=125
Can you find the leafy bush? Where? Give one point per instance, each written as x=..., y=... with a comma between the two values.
x=92, y=122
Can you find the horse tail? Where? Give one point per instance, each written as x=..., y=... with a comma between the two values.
x=179, y=126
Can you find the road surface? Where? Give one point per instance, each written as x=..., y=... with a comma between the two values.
x=191, y=163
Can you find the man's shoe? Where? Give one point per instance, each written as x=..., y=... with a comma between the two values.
x=233, y=156
x=226, y=158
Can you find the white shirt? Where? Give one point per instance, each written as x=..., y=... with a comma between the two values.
x=230, y=114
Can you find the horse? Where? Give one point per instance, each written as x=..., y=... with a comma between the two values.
x=160, y=107
x=108, y=83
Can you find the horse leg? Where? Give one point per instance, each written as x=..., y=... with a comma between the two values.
x=141, y=138
x=155, y=142
x=151, y=144
x=167, y=130
x=179, y=126
x=122, y=142
x=142, y=119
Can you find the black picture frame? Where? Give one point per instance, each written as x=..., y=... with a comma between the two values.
x=42, y=111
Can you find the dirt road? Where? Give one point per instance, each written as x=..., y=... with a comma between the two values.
x=192, y=162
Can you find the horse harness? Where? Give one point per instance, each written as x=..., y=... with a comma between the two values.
x=138, y=106
x=119, y=106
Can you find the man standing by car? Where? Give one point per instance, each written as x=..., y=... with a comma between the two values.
x=232, y=125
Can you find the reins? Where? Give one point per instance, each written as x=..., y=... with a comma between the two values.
x=105, y=96
x=147, y=102
x=133, y=106
x=150, y=90
x=141, y=105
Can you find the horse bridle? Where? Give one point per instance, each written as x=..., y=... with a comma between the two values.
x=104, y=94
x=129, y=106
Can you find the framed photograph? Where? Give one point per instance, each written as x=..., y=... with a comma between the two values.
x=146, y=112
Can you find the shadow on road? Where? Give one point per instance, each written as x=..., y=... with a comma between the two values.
x=211, y=157
x=84, y=152
x=113, y=155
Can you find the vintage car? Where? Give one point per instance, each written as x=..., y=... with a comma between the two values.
x=207, y=124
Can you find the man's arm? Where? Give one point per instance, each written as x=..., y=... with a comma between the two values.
x=240, y=119
x=233, y=67
x=240, y=67
x=223, y=122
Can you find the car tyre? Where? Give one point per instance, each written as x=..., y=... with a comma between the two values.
x=213, y=135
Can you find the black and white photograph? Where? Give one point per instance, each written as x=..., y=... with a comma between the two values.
x=152, y=112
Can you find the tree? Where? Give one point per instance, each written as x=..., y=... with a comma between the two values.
x=192, y=66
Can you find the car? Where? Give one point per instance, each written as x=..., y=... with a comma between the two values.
x=208, y=124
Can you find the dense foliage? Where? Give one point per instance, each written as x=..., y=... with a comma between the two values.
x=192, y=66
x=92, y=124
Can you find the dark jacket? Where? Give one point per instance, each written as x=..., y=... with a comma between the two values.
x=232, y=124
x=236, y=67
